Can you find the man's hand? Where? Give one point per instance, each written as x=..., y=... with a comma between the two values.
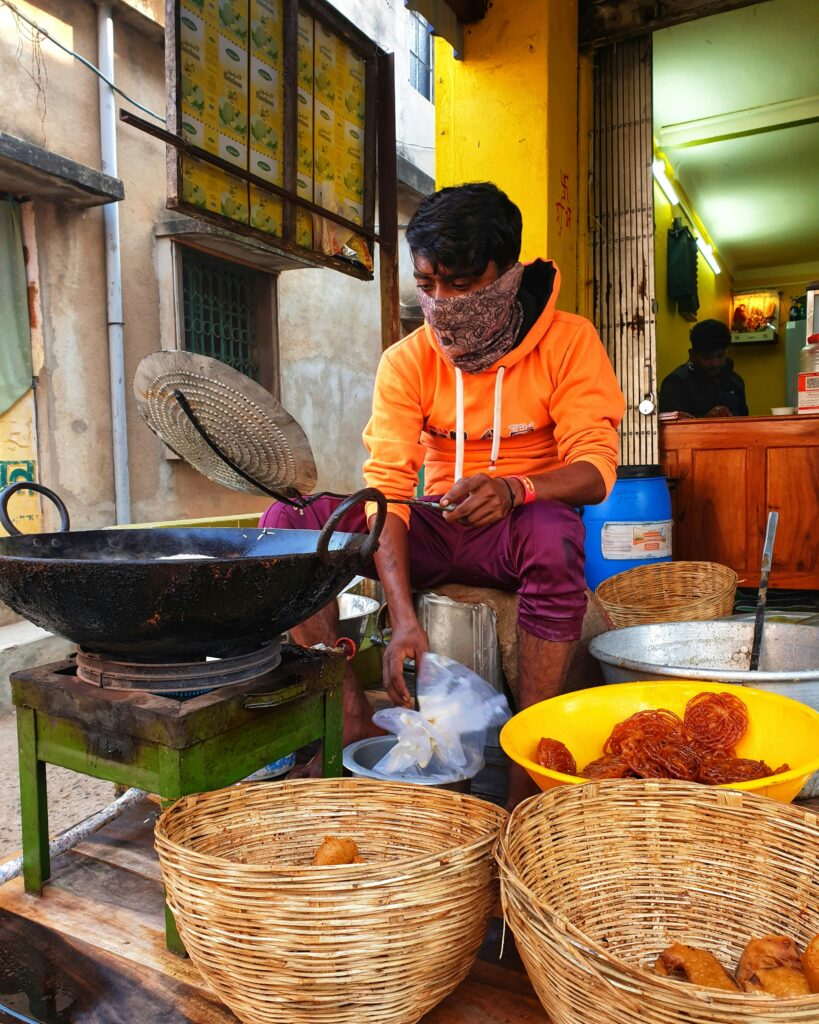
x=408, y=641
x=477, y=501
x=719, y=410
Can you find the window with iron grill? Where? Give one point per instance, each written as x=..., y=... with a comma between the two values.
x=421, y=56
x=219, y=307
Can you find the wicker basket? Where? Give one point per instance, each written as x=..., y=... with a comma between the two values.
x=598, y=879
x=668, y=592
x=282, y=942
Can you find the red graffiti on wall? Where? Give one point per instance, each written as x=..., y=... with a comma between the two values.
x=562, y=207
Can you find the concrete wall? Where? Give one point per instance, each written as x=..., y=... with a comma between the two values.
x=508, y=113
x=329, y=324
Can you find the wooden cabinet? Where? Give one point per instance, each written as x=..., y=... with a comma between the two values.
x=726, y=474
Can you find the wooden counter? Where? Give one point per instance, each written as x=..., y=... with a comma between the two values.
x=726, y=474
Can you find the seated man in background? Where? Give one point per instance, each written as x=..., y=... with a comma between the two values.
x=706, y=385
x=512, y=407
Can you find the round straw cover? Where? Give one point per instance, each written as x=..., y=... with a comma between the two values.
x=254, y=431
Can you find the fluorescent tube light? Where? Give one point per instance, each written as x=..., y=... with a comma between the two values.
x=658, y=167
x=708, y=252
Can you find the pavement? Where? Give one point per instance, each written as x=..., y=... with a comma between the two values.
x=71, y=797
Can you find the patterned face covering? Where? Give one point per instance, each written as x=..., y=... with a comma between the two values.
x=477, y=329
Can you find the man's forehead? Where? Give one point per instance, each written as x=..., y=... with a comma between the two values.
x=424, y=268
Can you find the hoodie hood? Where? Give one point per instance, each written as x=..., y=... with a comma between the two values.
x=556, y=402
x=541, y=279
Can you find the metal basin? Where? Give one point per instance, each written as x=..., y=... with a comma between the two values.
x=360, y=757
x=718, y=651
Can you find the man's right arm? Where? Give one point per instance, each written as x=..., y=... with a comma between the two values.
x=408, y=640
x=392, y=438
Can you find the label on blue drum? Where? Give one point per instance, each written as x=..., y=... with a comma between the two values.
x=620, y=542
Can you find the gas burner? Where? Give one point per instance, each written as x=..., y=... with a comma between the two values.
x=178, y=677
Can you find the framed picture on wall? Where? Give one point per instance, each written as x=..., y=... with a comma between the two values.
x=754, y=317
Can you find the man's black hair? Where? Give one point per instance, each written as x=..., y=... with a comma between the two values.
x=463, y=227
x=710, y=336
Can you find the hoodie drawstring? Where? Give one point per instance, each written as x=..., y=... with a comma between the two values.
x=459, y=421
x=496, y=419
x=459, y=424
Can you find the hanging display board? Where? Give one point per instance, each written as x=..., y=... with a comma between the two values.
x=273, y=109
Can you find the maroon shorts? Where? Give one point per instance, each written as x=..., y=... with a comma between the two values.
x=536, y=551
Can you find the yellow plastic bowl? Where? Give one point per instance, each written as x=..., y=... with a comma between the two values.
x=780, y=730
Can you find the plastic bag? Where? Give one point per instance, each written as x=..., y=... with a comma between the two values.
x=443, y=741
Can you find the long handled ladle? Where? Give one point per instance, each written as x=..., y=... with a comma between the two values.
x=762, y=596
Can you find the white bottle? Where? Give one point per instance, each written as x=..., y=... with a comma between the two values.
x=808, y=386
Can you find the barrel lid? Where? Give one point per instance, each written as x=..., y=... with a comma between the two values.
x=638, y=472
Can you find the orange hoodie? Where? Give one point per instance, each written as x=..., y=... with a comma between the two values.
x=551, y=401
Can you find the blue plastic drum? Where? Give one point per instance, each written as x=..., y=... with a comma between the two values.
x=631, y=527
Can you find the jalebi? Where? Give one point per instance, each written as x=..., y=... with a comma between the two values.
x=715, y=722
x=642, y=726
x=555, y=755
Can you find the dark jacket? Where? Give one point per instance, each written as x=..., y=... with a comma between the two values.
x=692, y=391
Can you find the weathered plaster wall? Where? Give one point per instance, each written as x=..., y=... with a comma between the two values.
x=508, y=113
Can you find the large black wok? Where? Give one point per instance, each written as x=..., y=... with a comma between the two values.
x=124, y=593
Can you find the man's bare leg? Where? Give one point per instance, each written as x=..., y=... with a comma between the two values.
x=542, y=667
x=323, y=628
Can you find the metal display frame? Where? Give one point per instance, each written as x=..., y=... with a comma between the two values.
x=379, y=149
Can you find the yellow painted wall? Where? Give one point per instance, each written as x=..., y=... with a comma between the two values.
x=507, y=113
x=714, y=292
x=763, y=366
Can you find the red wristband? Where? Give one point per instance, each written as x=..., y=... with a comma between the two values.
x=529, y=494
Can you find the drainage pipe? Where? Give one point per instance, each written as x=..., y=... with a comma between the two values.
x=65, y=840
x=113, y=267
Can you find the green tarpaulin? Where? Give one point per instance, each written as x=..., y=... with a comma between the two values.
x=15, y=334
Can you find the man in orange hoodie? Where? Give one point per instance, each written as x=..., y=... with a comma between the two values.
x=512, y=407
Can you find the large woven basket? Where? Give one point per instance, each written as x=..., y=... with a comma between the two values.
x=668, y=592
x=282, y=942
x=598, y=879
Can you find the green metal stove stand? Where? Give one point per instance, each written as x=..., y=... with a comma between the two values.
x=166, y=746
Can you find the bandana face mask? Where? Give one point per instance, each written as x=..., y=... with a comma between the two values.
x=476, y=329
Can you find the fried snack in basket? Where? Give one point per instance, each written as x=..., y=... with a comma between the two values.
x=694, y=965
x=810, y=963
x=778, y=981
x=337, y=850
x=765, y=954
x=555, y=756
x=715, y=722
x=643, y=725
x=606, y=767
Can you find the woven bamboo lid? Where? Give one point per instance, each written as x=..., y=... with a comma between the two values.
x=243, y=421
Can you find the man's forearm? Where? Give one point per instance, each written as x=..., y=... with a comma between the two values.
x=392, y=563
x=581, y=483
